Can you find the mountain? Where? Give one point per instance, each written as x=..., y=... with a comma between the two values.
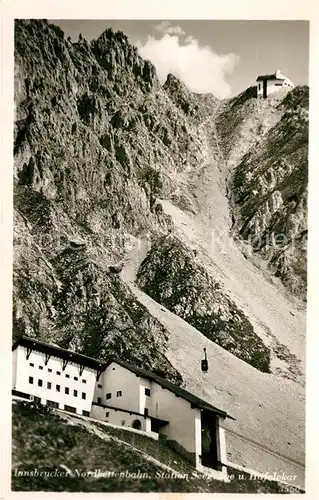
x=268, y=186
x=145, y=221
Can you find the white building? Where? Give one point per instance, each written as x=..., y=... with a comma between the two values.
x=268, y=84
x=54, y=376
x=121, y=394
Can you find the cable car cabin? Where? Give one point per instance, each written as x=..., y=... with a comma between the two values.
x=204, y=363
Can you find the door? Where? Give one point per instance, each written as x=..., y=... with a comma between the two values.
x=209, y=440
x=265, y=88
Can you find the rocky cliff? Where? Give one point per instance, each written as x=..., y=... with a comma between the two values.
x=266, y=150
x=106, y=157
x=172, y=276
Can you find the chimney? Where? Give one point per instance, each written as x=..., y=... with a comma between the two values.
x=278, y=73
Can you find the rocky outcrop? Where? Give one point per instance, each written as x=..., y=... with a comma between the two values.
x=96, y=139
x=98, y=145
x=269, y=193
x=71, y=300
x=172, y=277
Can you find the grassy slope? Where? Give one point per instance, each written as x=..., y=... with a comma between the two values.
x=46, y=441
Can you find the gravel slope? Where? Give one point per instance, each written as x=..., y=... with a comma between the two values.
x=264, y=435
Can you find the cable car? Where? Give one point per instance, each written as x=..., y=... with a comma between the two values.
x=204, y=363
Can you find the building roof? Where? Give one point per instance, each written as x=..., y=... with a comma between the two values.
x=198, y=402
x=59, y=352
x=270, y=77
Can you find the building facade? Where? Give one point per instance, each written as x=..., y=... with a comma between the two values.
x=269, y=84
x=120, y=394
x=54, y=376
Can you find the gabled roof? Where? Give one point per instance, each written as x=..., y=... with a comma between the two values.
x=269, y=77
x=196, y=401
x=59, y=352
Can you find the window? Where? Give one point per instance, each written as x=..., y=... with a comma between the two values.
x=49, y=385
x=145, y=412
x=84, y=381
x=123, y=422
x=37, y=399
x=52, y=404
x=147, y=391
x=76, y=378
x=99, y=386
x=83, y=395
x=108, y=395
x=137, y=424
x=70, y=408
x=75, y=393
x=30, y=380
x=40, y=367
x=118, y=394
x=31, y=364
x=40, y=383
x=57, y=388
x=85, y=413
x=66, y=390
x=278, y=84
x=50, y=370
x=99, y=401
x=67, y=375
x=58, y=373
x=107, y=414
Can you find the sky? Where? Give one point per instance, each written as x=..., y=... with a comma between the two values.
x=220, y=57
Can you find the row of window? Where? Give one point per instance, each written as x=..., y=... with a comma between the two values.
x=107, y=414
x=119, y=394
x=57, y=387
x=58, y=373
x=109, y=394
x=277, y=85
x=54, y=404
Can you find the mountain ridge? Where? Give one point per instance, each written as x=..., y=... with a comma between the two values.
x=109, y=167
